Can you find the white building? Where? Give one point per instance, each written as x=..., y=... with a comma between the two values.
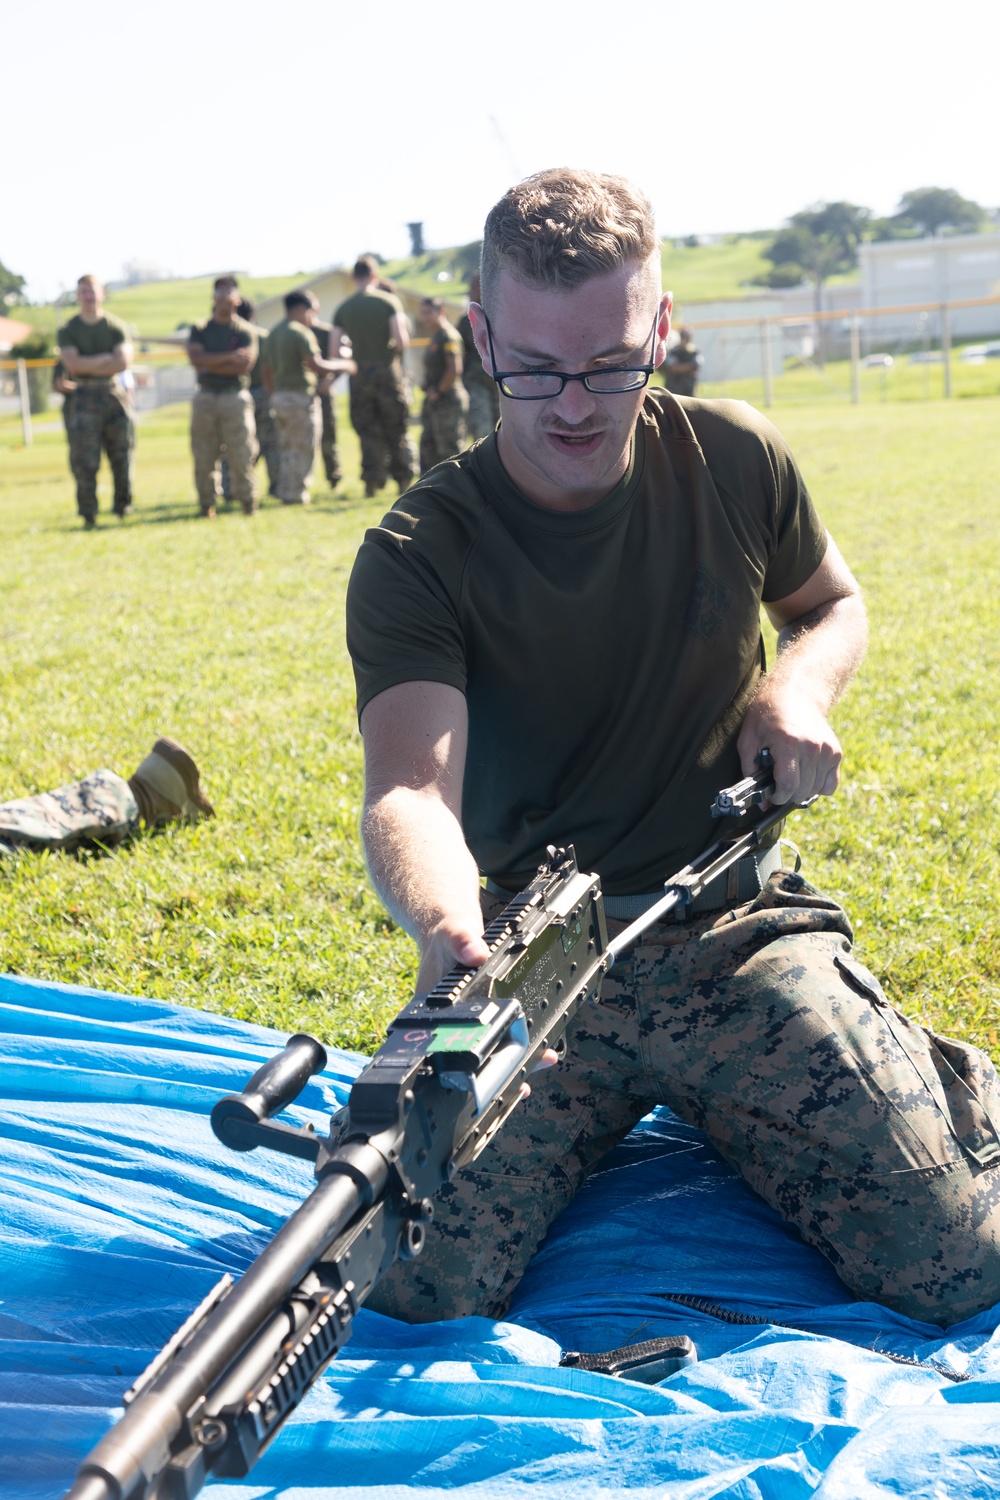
x=947, y=268
x=893, y=273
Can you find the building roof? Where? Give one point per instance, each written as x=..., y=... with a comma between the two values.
x=12, y=331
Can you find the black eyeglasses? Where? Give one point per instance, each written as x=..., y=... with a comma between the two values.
x=542, y=385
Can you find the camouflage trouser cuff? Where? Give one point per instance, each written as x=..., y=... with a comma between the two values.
x=100, y=809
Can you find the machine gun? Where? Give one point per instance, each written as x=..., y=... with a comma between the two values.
x=454, y=1064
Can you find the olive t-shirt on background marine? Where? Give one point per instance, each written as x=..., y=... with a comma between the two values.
x=224, y=338
x=102, y=337
x=288, y=345
x=366, y=318
x=607, y=655
x=442, y=342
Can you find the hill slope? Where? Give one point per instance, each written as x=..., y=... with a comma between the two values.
x=713, y=272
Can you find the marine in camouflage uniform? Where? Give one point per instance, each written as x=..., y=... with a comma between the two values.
x=484, y=398
x=293, y=366
x=375, y=324
x=267, y=438
x=545, y=666
x=93, y=348
x=104, y=809
x=682, y=364
x=224, y=350
x=446, y=400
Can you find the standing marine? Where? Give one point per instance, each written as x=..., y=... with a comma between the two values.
x=375, y=323
x=446, y=400
x=224, y=351
x=94, y=348
x=293, y=366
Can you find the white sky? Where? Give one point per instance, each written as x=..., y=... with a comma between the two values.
x=200, y=135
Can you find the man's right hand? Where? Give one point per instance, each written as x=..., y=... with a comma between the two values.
x=449, y=944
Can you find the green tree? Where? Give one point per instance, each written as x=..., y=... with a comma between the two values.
x=816, y=243
x=929, y=209
x=11, y=287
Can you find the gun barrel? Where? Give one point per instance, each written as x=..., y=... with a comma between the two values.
x=138, y=1448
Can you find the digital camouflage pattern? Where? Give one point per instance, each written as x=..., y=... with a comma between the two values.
x=267, y=437
x=380, y=415
x=322, y=333
x=879, y=1141
x=99, y=809
x=267, y=442
x=328, y=440
x=99, y=420
x=484, y=408
x=222, y=424
x=444, y=432
x=297, y=424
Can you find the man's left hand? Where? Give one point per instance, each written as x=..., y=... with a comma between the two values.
x=806, y=751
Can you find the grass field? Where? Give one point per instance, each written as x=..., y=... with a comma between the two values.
x=230, y=636
x=808, y=385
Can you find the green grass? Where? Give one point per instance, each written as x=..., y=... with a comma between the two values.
x=807, y=385
x=231, y=637
x=710, y=273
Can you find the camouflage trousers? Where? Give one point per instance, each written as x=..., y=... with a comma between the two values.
x=98, y=420
x=297, y=424
x=443, y=434
x=484, y=408
x=267, y=443
x=380, y=415
x=877, y=1139
x=222, y=424
x=328, y=440
x=99, y=809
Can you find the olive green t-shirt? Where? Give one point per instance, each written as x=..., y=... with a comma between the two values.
x=224, y=338
x=607, y=655
x=366, y=318
x=444, y=341
x=102, y=337
x=288, y=344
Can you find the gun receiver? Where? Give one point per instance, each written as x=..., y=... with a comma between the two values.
x=453, y=1066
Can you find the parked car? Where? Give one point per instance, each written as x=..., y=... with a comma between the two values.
x=877, y=362
x=927, y=357
x=973, y=354
x=992, y=351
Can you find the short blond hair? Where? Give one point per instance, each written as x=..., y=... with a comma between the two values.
x=560, y=227
x=90, y=279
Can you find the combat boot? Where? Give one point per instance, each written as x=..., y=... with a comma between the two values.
x=166, y=786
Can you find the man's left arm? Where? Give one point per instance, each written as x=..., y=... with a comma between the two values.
x=822, y=633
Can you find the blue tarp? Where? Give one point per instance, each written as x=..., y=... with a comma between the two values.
x=120, y=1210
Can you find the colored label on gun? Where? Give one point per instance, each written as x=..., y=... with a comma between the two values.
x=452, y=1039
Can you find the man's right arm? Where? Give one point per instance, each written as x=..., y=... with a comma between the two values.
x=415, y=737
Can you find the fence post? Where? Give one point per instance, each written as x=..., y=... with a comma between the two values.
x=22, y=390
x=765, y=361
x=946, y=346
x=855, y=359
